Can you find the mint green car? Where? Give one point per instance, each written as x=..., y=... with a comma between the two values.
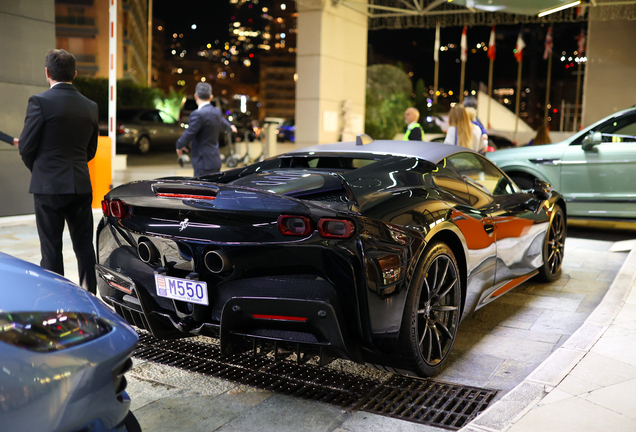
x=595, y=169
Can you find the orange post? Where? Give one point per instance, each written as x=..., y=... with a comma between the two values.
x=100, y=171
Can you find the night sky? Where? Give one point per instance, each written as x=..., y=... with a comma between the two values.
x=414, y=48
x=210, y=16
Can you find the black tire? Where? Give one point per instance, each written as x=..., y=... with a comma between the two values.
x=143, y=144
x=431, y=314
x=131, y=423
x=231, y=161
x=524, y=181
x=553, y=246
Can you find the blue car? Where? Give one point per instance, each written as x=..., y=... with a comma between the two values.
x=63, y=355
x=287, y=132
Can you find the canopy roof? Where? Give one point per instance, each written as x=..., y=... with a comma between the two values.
x=398, y=14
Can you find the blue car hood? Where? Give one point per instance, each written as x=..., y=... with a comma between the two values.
x=28, y=287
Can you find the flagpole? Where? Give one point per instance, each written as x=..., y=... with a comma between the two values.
x=436, y=85
x=491, y=55
x=514, y=138
x=436, y=58
x=576, y=101
x=492, y=62
x=463, y=56
x=547, y=91
x=461, y=83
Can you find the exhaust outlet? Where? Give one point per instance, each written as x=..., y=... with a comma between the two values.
x=217, y=261
x=147, y=251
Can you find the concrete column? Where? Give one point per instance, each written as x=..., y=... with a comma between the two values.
x=610, y=77
x=331, y=64
x=27, y=32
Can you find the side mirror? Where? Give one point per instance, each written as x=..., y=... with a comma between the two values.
x=541, y=190
x=591, y=140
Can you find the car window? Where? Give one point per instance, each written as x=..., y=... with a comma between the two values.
x=150, y=116
x=167, y=118
x=190, y=105
x=621, y=129
x=447, y=179
x=481, y=173
x=330, y=162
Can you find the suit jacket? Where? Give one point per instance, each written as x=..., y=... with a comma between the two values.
x=203, y=132
x=6, y=138
x=59, y=138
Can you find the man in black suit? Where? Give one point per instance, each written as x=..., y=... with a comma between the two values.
x=204, y=127
x=59, y=138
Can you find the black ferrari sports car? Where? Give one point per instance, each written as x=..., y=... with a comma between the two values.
x=371, y=252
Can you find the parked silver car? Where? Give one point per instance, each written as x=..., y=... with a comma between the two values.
x=63, y=355
x=144, y=129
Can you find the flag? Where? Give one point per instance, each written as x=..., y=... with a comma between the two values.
x=491, y=44
x=464, y=45
x=519, y=48
x=436, y=49
x=548, y=44
x=581, y=43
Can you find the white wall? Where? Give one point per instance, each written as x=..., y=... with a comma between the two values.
x=331, y=65
x=610, y=77
x=27, y=32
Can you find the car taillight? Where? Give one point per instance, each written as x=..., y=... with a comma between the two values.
x=115, y=208
x=294, y=225
x=336, y=228
x=120, y=129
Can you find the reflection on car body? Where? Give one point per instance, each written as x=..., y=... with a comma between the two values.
x=369, y=252
x=595, y=169
x=63, y=355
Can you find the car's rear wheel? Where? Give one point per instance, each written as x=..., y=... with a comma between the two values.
x=431, y=314
x=553, y=246
x=143, y=144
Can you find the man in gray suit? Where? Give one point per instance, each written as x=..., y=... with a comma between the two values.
x=59, y=138
x=205, y=124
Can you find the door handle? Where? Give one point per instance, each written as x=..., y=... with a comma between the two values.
x=489, y=228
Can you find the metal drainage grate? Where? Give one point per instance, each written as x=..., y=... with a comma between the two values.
x=428, y=401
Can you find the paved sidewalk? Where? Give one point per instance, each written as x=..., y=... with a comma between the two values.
x=589, y=383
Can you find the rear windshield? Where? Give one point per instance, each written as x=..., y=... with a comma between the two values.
x=127, y=114
x=190, y=105
x=327, y=162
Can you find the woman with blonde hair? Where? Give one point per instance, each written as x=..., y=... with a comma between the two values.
x=542, y=137
x=460, y=131
x=477, y=131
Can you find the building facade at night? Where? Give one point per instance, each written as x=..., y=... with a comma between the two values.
x=81, y=28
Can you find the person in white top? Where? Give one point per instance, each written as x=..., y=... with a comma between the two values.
x=461, y=131
x=483, y=137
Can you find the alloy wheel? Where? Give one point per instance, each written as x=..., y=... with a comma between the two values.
x=556, y=243
x=438, y=310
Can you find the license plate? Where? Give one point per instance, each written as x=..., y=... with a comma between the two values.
x=186, y=290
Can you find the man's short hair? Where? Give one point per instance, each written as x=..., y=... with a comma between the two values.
x=414, y=111
x=203, y=91
x=61, y=65
x=470, y=101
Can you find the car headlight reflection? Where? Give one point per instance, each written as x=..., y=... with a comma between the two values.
x=50, y=331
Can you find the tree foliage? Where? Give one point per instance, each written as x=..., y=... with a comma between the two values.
x=171, y=103
x=129, y=94
x=388, y=92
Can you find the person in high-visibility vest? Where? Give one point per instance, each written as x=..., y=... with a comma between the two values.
x=414, y=131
